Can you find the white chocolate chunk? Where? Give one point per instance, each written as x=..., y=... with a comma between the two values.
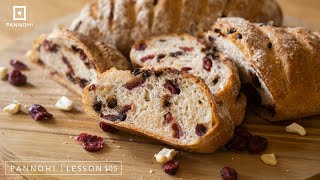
x=3, y=72
x=165, y=155
x=64, y=104
x=269, y=159
x=296, y=128
x=12, y=108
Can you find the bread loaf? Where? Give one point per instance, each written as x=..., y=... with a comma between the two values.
x=279, y=67
x=165, y=104
x=73, y=59
x=197, y=57
x=121, y=22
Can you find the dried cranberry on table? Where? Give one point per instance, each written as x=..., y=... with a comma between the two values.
x=107, y=128
x=16, y=64
x=91, y=143
x=16, y=78
x=257, y=144
x=38, y=112
x=244, y=140
x=171, y=167
x=228, y=173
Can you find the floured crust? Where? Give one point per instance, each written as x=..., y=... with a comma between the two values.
x=285, y=59
x=221, y=126
x=101, y=56
x=228, y=96
x=121, y=22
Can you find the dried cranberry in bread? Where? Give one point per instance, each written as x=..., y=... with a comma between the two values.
x=74, y=60
x=279, y=67
x=121, y=22
x=168, y=105
x=192, y=55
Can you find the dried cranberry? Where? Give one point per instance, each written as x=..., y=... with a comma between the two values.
x=125, y=109
x=146, y=58
x=172, y=86
x=186, y=69
x=158, y=73
x=112, y=103
x=83, y=55
x=168, y=118
x=211, y=39
x=238, y=143
x=176, y=54
x=146, y=74
x=207, y=63
x=257, y=144
x=166, y=101
x=107, y=128
x=49, y=46
x=134, y=83
x=92, y=87
x=186, y=49
x=97, y=106
x=16, y=78
x=141, y=46
x=66, y=62
x=217, y=30
x=228, y=173
x=38, y=112
x=90, y=143
x=82, y=82
x=239, y=36
x=109, y=117
x=171, y=167
x=177, y=132
x=231, y=31
x=122, y=117
x=136, y=71
x=160, y=56
x=215, y=80
x=201, y=129
x=16, y=64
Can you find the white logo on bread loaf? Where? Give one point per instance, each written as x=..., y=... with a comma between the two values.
x=19, y=13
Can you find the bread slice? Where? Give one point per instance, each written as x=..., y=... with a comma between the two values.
x=73, y=59
x=122, y=22
x=197, y=57
x=279, y=67
x=165, y=104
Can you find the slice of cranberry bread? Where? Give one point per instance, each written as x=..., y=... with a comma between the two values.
x=168, y=105
x=73, y=59
x=195, y=56
x=279, y=67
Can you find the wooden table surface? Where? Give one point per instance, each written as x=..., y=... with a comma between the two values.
x=21, y=138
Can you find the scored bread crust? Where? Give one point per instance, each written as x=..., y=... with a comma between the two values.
x=285, y=60
x=121, y=22
x=232, y=99
x=221, y=126
x=99, y=54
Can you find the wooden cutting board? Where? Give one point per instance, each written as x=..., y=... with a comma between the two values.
x=22, y=138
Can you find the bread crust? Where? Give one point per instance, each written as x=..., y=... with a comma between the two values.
x=231, y=97
x=286, y=60
x=121, y=22
x=220, y=133
x=101, y=56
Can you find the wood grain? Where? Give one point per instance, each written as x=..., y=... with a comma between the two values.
x=25, y=139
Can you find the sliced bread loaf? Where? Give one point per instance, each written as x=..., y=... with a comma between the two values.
x=165, y=104
x=195, y=56
x=279, y=67
x=73, y=59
